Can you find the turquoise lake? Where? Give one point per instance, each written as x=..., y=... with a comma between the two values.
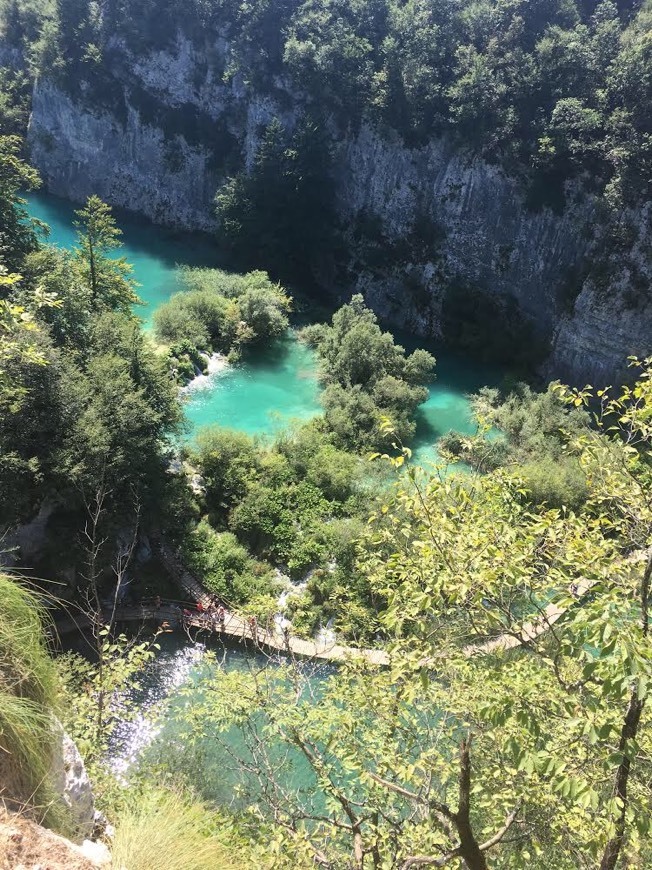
x=259, y=396
x=279, y=384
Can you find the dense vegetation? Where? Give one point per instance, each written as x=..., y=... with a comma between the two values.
x=219, y=312
x=480, y=744
x=532, y=433
x=298, y=505
x=368, y=378
x=555, y=88
x=87, y=404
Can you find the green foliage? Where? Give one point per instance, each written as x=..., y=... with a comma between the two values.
x=220, y=311
x=106, y=276
x=464, y=751
x=532, y=433
x=17, y=235
x=225, y=566
x=96, y=416
x=278, y=522
x=159, y=822
x=314, y=458
x=552, y=90
x=14, y=102
x=279, y=216
x=228, y=461
x=29, y=700
x=294, y=504
x=367, y=377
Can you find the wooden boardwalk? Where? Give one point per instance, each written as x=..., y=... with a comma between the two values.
x=273, y=639
x=172, y=617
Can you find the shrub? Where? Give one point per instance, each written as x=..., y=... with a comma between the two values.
x=224, y=565
x=555, y=482
x=228, y=461
x=223, y=312
x=367, y=377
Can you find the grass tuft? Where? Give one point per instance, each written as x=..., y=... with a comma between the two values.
x=29, y=695
x=167, y=829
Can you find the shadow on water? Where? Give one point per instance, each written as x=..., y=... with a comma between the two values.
x=447, y=407
x=141, y=236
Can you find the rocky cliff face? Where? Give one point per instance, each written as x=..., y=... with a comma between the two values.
x=164, y=129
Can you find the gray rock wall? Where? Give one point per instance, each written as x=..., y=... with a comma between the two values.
x=489, y=237
x=80, y=151
x=486, y=236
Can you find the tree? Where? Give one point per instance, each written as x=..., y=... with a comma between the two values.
x=279, y=216
x=106, y=276
x=510, y=727
x=222, y=312
x=17, y=229
x=367, y=377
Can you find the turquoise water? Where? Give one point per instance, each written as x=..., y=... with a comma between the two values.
x=274, y=386
x=154, y=252
x=160, y=735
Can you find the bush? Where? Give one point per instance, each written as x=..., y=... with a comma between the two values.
x=367, y=377
x=223, y=312
x=278, y=522
x=312, y=456
x=536, y=430
x=229, y=462
x=224, y=566
x=555, y=482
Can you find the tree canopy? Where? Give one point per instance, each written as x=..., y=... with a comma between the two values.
x=483, y=744
x=367, y=377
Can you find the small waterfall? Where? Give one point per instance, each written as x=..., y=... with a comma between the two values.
x=216, y=364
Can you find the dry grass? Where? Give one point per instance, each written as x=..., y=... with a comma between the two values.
x=168, y=830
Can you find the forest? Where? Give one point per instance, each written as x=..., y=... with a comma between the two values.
x=556, y=89
x=505, y=584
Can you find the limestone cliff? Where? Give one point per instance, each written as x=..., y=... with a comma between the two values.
x=157, y=132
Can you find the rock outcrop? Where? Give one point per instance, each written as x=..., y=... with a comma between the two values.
x=25, y=845
x=158, y=132
x=71, y=780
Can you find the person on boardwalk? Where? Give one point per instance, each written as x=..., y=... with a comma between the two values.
x=157, y=602
x=221, y=618
x=286, y=625
x=253, y=627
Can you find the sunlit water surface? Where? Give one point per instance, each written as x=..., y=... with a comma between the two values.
x=278, y=384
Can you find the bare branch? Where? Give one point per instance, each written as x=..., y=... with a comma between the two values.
x=498, y=836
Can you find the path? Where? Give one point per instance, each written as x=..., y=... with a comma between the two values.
x=237, y=628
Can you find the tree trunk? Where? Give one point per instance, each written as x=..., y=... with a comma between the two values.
x=469, y=848
x=628, y=733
